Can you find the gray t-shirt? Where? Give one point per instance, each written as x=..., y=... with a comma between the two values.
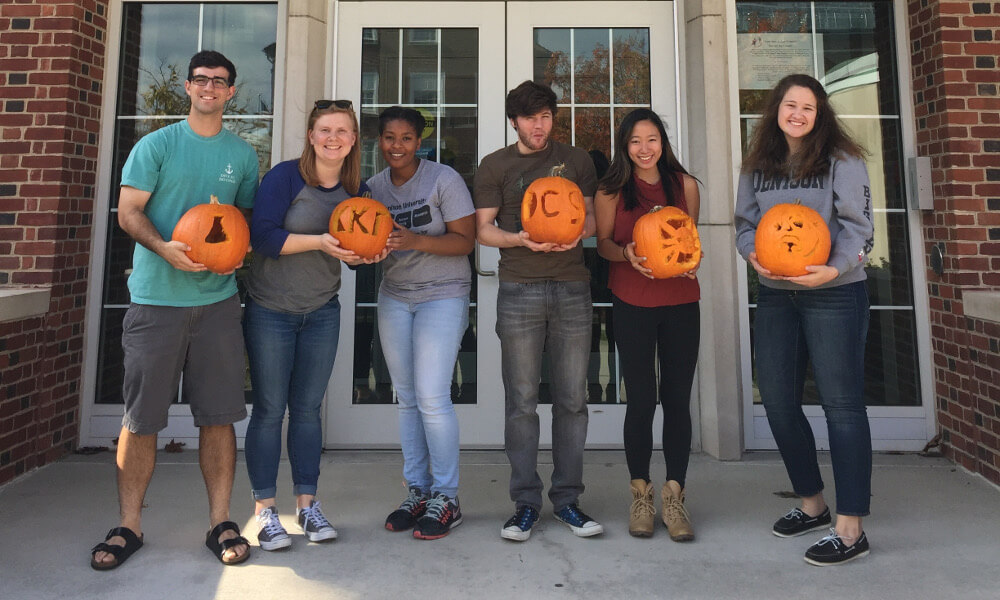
x=293, y=283
x=435, y=195
x=843, y=197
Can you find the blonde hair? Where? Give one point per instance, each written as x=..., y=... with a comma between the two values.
x=350, y=171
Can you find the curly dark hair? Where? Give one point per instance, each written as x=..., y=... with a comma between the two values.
x=530, y=98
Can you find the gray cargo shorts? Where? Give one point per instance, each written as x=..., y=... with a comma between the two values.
x=205, y=343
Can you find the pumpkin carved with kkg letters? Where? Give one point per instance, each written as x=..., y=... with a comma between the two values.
x=790, y=237
x=552, y=210
x=668, y=238
x=361, y=225
x=217, y=234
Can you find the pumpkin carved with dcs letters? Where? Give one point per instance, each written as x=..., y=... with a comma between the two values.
x=362, y=225
x=789, y=237
x=668, y=238
x=552, y=209
x=217, y=234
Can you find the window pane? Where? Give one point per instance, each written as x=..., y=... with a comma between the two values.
x=552, y=52
x=117, y=263
x=460, y=141
x=592, y=81
x=380, y=66
x=234, y=30
x=889, y=265
x=631, y=61
x=157, y=43
x=460, y=61
x=593, y=129
x=420, y=66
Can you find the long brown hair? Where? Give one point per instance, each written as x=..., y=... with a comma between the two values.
x=619, y=175
x=768, y=150
x=350, y=171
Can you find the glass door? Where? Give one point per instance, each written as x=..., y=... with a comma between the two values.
x=852, y=48
x=440, y=60
x=603, y=60
x=454, y=63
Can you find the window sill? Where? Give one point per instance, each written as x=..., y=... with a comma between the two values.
x=22, y=303
x=982, y=304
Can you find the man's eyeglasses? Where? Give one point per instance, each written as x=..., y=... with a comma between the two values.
x=202, y=81
x=324, y=104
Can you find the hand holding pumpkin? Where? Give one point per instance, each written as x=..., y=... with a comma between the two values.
x=530, y=244
x=175, y=253
x=636, y=261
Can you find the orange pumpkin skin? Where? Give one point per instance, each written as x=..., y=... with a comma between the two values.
x=790, y=237
x=362, y=225
x=668, y=238
x=217, y=234
x=552, y=210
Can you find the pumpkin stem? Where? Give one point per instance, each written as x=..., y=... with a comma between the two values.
x=558, y=170
x=213, y=199
x=655, y=208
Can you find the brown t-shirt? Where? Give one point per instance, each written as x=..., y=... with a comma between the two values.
x=500, y=182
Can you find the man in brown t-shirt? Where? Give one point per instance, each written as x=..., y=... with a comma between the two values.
x=543, y=305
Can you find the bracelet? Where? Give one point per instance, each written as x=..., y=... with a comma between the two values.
x=625, y=253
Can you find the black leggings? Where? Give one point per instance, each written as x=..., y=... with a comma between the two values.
x=672, y=333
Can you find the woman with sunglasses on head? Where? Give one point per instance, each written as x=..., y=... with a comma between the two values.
x=423, y=311
x=800, y=153
x=657, y=319
x=292, y=317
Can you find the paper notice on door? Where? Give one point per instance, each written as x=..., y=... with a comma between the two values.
x=765, y=58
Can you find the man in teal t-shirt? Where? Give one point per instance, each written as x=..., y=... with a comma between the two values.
x=183, y=318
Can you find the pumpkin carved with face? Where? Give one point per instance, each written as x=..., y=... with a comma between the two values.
x=552, y=210
x=217, y=234
x=668, y=238
x=362, y=225
x=790, y=237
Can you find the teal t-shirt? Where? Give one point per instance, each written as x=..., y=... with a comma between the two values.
x=181, y=169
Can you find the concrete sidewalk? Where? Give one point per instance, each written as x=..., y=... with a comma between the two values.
x=934, y=530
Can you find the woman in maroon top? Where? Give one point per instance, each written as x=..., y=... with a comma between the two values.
x=654, y=319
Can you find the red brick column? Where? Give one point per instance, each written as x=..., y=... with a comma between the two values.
x=52, y=57
x=955, y=48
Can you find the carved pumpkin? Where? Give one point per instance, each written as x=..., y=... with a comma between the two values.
x=668, y=238
x=789, y=237
x=362, y=225
x=217, y=234
x=552, y=209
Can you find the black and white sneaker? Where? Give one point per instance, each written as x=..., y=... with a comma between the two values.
x=443, y=514
x=578, y=521
x=518, y=527
x=272, y=535
x=409, y=511
x=314, y=524
x=797, y=522
x=832, y=550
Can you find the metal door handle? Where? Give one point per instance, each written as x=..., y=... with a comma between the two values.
x=479, y=269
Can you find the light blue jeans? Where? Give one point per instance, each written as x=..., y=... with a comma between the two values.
x=291, y=357
x=420, y=342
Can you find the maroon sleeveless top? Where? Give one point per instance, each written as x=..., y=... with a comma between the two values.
x=628, y=284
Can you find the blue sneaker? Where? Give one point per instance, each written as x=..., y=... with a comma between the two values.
x=518, y=527
x=578, y=521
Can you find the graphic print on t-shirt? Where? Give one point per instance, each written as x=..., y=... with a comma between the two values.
x=418, y=217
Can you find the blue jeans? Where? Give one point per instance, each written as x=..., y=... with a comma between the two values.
x=291, y=358
x=827, y=327
x=554, y=317
x=420, y=342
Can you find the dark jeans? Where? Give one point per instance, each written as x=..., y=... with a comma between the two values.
x=555, y=317
x=829, y=327
x=668, y=335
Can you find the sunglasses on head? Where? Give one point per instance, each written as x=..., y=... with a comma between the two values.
x=324, y=104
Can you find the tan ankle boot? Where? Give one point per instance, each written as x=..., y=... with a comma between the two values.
x=675, y=516
x=642, y=511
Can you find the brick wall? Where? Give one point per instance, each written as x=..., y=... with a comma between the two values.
x=51, y=72
x=955, y=48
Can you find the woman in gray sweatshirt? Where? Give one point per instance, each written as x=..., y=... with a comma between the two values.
x=800, y=153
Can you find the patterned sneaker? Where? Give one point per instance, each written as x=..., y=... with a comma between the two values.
x=408, y=512
x=314, y=524
x=443, y=514
x=797, y=522
x=578, y=521
x=518, y=527
x=832, y=550
x=272, y=535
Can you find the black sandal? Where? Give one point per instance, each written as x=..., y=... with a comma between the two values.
x=121, y=553
x=219, y=548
